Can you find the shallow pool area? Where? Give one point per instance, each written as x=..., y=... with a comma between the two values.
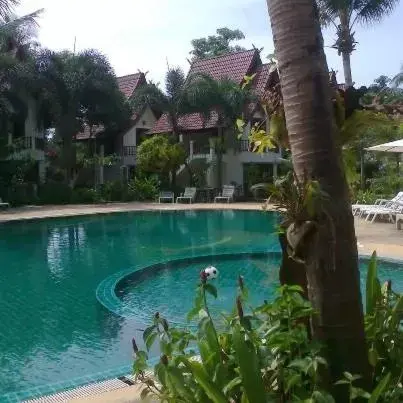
x=73, y=292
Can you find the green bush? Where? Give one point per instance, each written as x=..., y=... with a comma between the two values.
x=85, y=195
x=143, y=188
x=54, y=193
x=265, y=354
x=113, y=191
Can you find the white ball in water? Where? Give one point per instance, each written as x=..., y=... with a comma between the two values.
x=211, y=272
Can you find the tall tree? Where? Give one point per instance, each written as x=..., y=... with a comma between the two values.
x=216, y=45
x=344, y=15
x=397, y=80
x=330, y=254
x=80, y=89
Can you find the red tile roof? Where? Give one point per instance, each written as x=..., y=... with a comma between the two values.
x=260, y=83
x=190, y=122
x=234, y=66
x=127, y=85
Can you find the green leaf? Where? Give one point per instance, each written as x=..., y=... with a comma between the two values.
x=147, y=332
x=248, y=367
x=342, y=382
x=380, y=389
x=202, y=378
x=150, y=340
x=373, y=287
x=397, y=313
x=177, y=380
x=373, y=357
x=211, y=290
x=231, y=384
x=192, y=313
x=293, y=380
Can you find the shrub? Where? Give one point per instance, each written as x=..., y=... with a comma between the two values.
x=265, y=354
x=85, y=195
x=54, y=193
x=143, y=188
x=113, y=191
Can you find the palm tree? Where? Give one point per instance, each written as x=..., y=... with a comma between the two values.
x=397, y=80
x=224, y=97
x=79, y=89
x=330, y=252
x=7, y=6
x=344, y=15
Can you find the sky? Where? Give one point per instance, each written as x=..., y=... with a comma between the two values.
x=148, y=35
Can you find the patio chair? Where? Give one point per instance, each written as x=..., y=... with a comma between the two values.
x=226, y=195
x=189, y=195
x=166, y=197
x=359, y=209
x=390, y=210
x=4, y=205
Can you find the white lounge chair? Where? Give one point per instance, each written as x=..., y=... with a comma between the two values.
x=390, y=210
x=359, y=209
x=189, y=195
x=4, y=205
x=166, y=197
x=227, y=194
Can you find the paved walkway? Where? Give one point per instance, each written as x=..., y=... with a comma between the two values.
x=382, y=237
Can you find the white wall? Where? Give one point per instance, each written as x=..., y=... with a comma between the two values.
x=145, y=121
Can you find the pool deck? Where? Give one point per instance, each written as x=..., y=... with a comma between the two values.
x=382, y=237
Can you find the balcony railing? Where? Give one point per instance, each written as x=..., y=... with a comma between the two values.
x=39, y=143
x=129, y=151
x=244, y=145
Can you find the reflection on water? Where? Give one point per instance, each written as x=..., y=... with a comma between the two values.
x=52, y=327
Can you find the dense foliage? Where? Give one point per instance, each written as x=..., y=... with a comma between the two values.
x=265, y=353
x=217, y=45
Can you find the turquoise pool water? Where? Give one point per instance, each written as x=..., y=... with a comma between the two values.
x=55, y=334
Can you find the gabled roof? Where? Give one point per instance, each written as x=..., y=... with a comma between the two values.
x=234, y=66
x=128, y=84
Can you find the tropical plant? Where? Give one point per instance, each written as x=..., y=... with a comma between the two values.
x=80, y=89
x=397, y=80
x=261, y=354
x=331, y=253
x=171, y=102
x=344, y=15
x=217, y=45
x=160, y=156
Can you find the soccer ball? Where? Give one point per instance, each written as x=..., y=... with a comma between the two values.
x=211, y=272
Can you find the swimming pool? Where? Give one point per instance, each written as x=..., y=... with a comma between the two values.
x=55, y=334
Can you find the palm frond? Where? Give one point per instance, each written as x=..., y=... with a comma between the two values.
x=174, y=82
x=397, y=80
x=151, y=95
x=369, y=11
x=27, y=23
x=7, y=6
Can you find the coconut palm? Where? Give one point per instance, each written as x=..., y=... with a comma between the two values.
x=344, y=15
x=329, y=253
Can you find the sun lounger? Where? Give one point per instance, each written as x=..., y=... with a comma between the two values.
x=226, y=195
x=4, y=205
x=166, y=197
x=189, y=195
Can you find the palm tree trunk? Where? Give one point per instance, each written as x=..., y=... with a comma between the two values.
x=345, y=53
x=347, y=69
x=331, y=259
